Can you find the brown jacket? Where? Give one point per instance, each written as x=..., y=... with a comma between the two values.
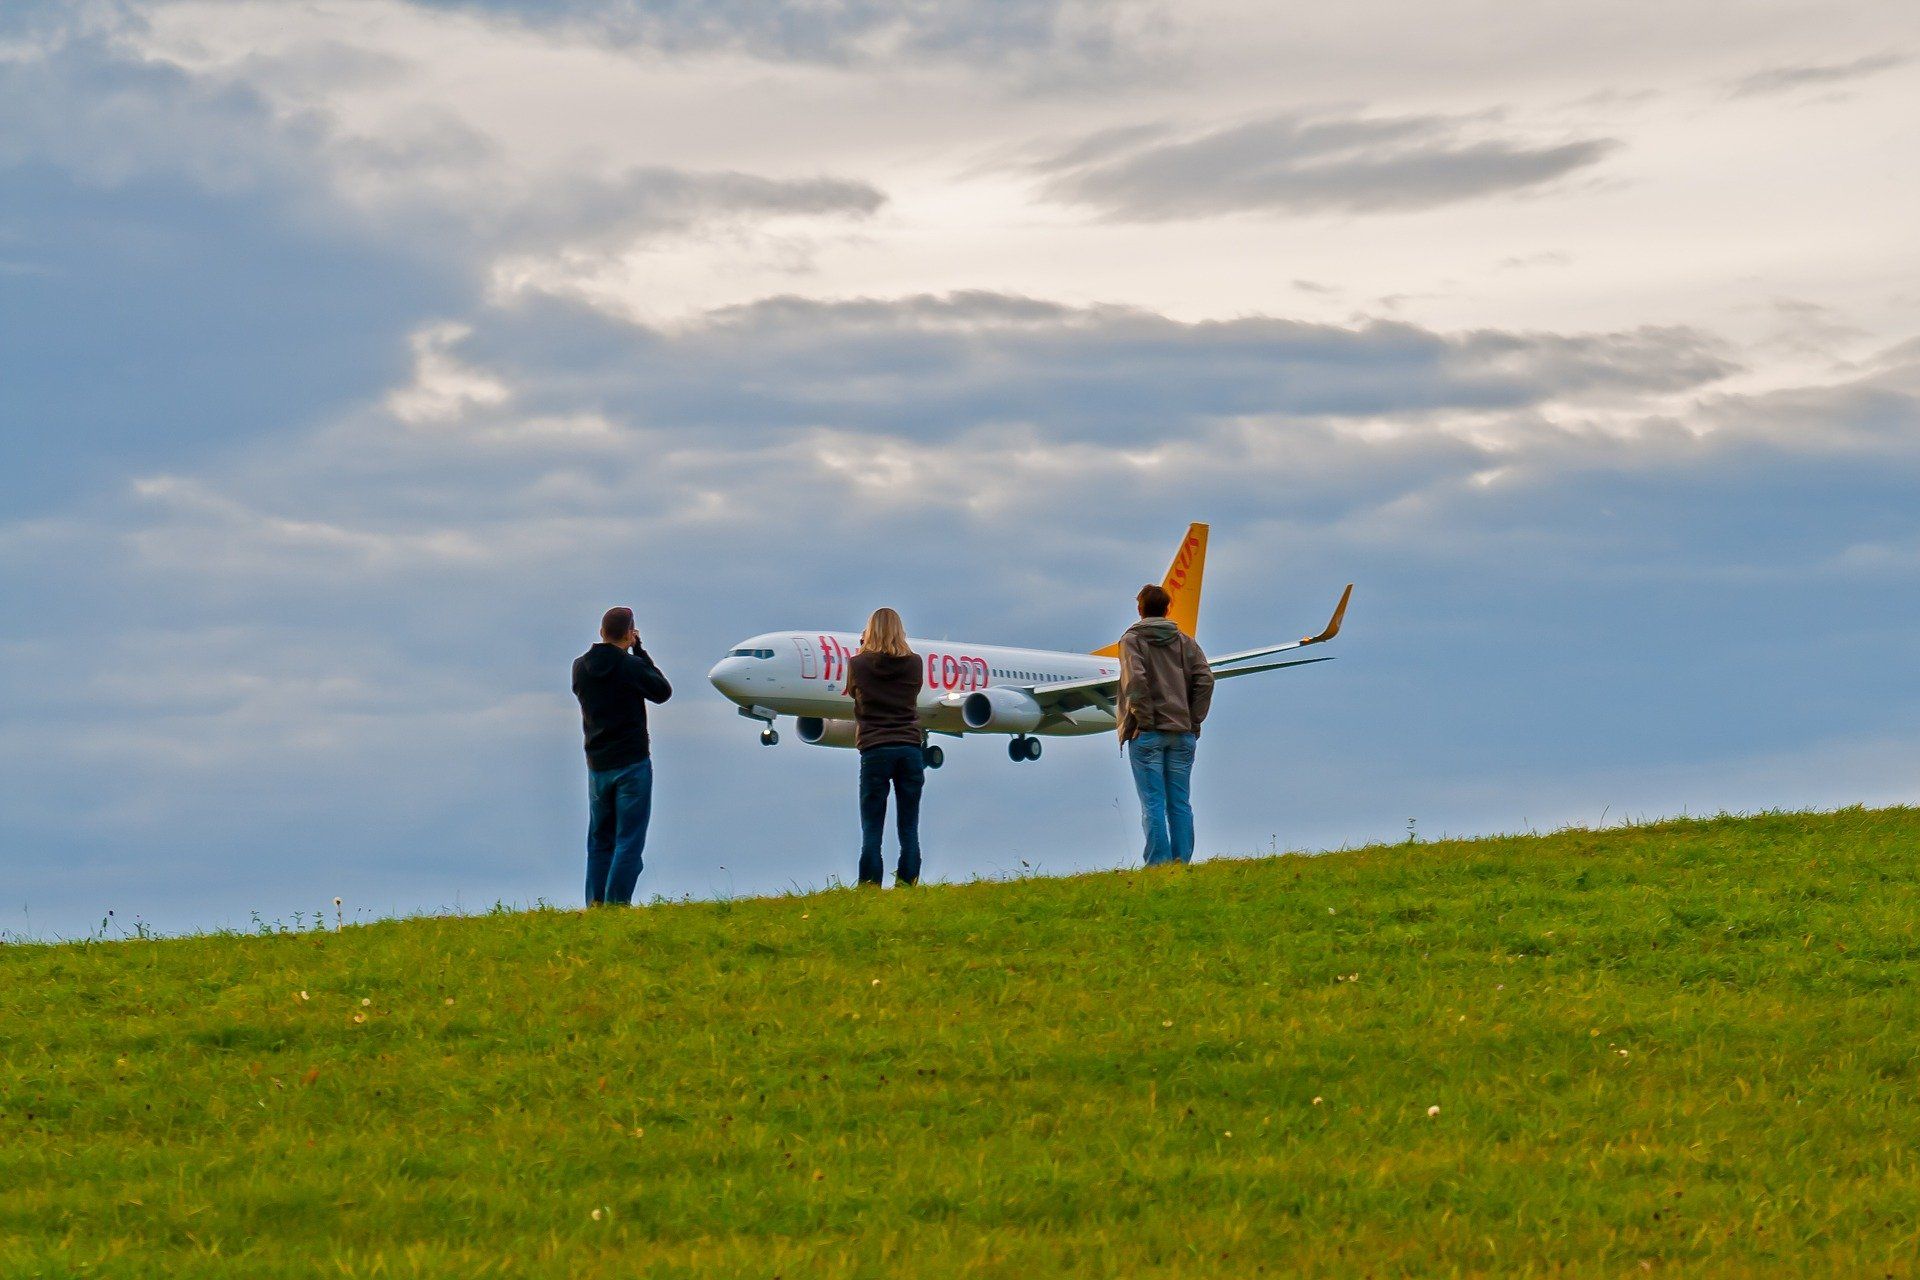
x=1165, y=683
x=885, y=692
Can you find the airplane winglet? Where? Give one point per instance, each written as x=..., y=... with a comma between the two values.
x=1333, y=623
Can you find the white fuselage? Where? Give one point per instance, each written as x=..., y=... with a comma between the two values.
x=804, y=673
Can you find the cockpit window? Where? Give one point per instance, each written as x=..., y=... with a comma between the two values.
x=749, y=653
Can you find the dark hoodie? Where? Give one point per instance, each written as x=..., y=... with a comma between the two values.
x=1165, y=683
x=886, y=695
x=614, y=687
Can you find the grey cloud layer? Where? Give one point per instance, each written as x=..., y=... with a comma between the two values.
x=183, y=265
x=1304, y=163
x=927, y=367
x=88, y=107
x=837, y=31
x=613, y=212
x=1816, y=75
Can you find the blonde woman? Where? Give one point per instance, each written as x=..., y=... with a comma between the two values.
x=884, y=682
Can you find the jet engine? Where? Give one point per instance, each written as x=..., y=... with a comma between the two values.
x=1001, y=710
x=817, y=732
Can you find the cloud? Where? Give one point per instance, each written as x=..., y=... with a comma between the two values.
x=1302, y=163
x=181, y=284
x=935, y=366
x=1785, y=79
x=608, y=213
x=1062, y=31
x=183, y=266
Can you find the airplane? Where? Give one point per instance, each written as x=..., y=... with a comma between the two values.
x=1025, y=694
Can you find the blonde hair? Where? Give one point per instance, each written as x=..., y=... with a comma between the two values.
x=886, y=634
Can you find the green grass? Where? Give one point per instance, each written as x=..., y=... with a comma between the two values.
x=1690, y=1048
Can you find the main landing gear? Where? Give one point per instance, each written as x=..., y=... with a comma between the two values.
x=934, y=755
x=1023, y=748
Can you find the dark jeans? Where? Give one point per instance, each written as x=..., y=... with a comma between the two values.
x=619, y=803
x=905, y=770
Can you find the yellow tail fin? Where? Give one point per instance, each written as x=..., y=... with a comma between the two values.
x=1183, y=582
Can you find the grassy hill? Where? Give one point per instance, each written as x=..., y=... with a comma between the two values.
x=1691, y=1047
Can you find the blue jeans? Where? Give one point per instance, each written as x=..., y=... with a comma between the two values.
x=1162, y=774
x=905, y=770
x=619, y=803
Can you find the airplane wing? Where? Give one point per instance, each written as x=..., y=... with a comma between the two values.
x=1332, y=630
x=1064, y=696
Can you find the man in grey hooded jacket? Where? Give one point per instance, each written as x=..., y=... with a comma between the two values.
x=1166, y=688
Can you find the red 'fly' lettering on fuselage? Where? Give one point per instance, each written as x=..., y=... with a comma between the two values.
x=945, y=671
x=833, y=658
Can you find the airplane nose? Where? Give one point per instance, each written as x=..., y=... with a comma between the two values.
x=727, y=676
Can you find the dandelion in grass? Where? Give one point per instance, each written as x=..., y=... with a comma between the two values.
x=303, y=995
x=1318, y=1100
x=366, y=1002
x=1167, y=1023
x=876, y=982
x=449, y=1000
x=596, y=1215
x=359, y=1017
x=1434, y=1110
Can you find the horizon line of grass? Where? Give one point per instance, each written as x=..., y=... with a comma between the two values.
x=259, y=926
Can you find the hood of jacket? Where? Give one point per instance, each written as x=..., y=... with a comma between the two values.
x=1159, y=631
x=601, y=660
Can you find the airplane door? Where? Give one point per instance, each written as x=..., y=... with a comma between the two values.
x=808, y=671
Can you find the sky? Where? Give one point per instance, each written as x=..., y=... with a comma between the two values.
x=356, y=354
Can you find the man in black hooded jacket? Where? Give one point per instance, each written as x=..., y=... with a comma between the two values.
x=614, y=681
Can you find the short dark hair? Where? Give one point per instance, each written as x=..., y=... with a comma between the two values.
x=1154, y=601
x=616, y=623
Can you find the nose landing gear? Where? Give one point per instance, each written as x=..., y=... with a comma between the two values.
x=1023, y=748
x=769, y=736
